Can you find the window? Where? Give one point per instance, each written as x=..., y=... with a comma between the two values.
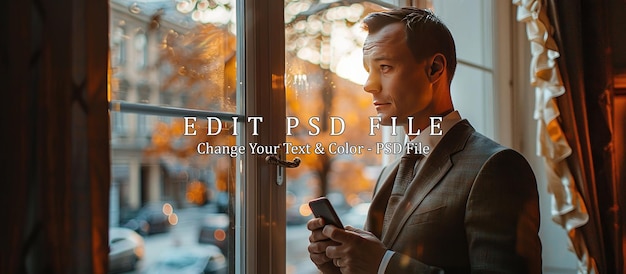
x=193, y=59
x=119, y=89
x=173, y=187
x=203, y=199
x=118, y=45
x=140, y=47
x=472, y=26
x=481, y=89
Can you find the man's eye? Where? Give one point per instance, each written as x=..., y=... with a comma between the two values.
x=385, y=68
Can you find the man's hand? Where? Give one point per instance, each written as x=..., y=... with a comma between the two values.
x=318, y=243
x=359, y=251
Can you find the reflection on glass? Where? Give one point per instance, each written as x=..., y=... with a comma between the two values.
x=201, y=64
x=169, y=202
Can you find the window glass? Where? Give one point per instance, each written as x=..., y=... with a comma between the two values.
x=327, y=107
x=171, y=177
x=470, y=90
x=471, y=24
x=183, y=49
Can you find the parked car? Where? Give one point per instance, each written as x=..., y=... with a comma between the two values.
x=150, y=219
x=214, y=230
x=221, y=201
x=200, y=259
x=126, y=248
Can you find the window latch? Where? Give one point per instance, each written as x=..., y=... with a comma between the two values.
x=281, y=165
x=274, y=160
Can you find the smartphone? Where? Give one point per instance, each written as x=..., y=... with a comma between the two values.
x=321, y=207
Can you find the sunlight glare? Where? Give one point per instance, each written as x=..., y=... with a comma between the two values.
x=351, y=67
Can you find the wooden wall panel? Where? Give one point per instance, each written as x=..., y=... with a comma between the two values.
x=56, y=133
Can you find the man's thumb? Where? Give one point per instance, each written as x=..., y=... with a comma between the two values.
x=353, y=229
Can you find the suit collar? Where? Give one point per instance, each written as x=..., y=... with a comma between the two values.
x=430, y=136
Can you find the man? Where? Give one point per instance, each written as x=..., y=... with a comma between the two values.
x=469, y=205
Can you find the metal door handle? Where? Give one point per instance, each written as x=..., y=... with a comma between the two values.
x=274, y=160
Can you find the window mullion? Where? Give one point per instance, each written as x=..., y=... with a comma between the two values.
x=262, y=222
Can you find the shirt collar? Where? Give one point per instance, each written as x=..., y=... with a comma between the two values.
x=425, y=139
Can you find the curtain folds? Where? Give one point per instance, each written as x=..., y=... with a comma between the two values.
x=582, y=32
x=571, y=73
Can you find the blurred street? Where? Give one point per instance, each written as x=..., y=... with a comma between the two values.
x=185, y=234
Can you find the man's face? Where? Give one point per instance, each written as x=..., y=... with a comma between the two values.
x=399, y=85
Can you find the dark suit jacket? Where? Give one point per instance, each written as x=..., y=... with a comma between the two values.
x=472, y=207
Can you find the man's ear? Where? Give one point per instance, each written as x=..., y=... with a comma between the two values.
x=437, y=67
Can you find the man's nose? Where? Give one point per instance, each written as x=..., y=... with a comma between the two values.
x=372, y=85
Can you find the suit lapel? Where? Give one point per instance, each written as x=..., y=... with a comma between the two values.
x=436, y=166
